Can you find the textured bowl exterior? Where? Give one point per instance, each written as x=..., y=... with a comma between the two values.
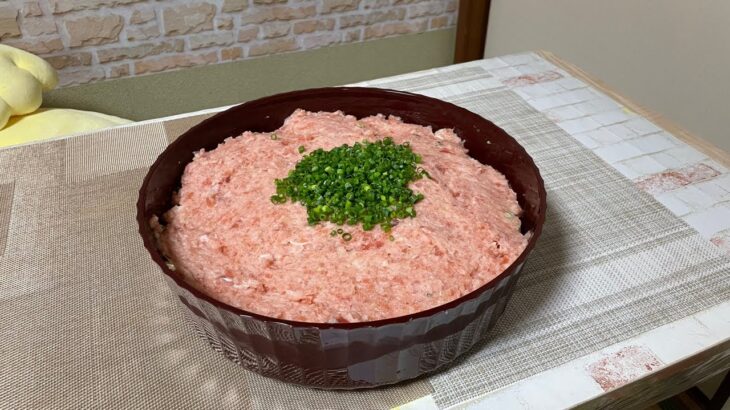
x=347, y=358
x=346, y=355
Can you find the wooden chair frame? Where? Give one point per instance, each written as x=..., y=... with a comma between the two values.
x=471, y=30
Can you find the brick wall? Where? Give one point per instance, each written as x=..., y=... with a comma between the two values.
x=92, y=40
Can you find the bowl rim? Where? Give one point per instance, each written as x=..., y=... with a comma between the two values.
x=146, y=232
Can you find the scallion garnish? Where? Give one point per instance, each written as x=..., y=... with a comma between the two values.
x=366, y=183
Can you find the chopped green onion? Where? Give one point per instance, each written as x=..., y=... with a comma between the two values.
x=346, y=236
x=301, y=149
x=366, y=183
x=340, y=231
x=274, y=136
x=278, y=199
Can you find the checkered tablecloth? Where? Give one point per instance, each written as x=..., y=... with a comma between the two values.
x=87, y=321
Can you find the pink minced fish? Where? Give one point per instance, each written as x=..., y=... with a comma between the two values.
x=233, y=243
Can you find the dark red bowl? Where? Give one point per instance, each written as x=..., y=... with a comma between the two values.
x=346, y=355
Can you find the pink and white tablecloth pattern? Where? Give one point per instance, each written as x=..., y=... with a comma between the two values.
x=687, y=182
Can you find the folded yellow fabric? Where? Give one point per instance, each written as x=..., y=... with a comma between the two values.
x=54, y=122
x=23, y=78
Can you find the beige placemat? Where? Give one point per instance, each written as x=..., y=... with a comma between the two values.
x=612, y=263
x=87, y=321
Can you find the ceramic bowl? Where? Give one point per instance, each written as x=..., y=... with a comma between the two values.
x=347, y=355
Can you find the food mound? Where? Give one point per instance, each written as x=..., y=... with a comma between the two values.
x=334, y=219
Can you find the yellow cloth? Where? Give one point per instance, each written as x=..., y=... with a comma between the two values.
x=54, y=122
x=23, y=78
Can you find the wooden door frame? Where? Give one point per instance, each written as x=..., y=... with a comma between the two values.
x=471, y=30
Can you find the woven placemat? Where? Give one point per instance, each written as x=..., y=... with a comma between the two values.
x=87, y=321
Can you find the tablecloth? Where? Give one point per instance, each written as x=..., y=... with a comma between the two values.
x=86, y=319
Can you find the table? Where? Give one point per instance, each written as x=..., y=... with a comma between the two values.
x=86, y=320
x=690, y=349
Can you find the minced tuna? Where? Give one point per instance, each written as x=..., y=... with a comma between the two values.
x=229, y=240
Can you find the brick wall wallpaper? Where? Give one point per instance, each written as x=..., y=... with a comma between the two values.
x=92, y=40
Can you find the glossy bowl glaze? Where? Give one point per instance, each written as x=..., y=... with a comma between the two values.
x=346, y=355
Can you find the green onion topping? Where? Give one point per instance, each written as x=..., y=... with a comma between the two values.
x=278, y=199
x=364, y=183
x=301, y=149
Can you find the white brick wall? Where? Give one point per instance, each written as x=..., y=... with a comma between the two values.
x=92, y=40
